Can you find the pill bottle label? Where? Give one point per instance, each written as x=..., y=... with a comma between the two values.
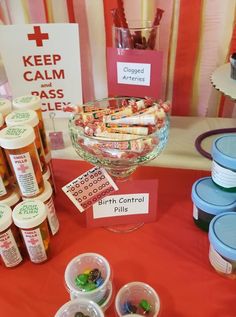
x=34, y=244
x=8, y=249
x=220, y=264
x=2, y=187
x=195, y=212
x=25, y=175
x=52, y=217
x=223, y=176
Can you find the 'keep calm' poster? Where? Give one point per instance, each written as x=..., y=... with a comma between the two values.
x=43, y=60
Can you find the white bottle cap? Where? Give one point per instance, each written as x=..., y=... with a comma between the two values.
x=11, y=200
x=45, y=195
x=16, y=137
x=46, y=175
x=27, y=102
x=29, y=214
x=1, y=120
x=22, y=117
x=5, y=106
x=5, y=217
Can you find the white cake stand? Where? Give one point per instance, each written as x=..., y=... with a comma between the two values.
x=222, y=81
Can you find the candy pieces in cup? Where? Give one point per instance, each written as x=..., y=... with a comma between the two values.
x=80, y=308
x=137, y=298
x=89, y=276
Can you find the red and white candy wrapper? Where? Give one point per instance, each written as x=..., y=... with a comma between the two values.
x=90, y=187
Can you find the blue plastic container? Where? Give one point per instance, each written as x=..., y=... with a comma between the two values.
x=222, y=237
x=210, y=200
x=223, y=170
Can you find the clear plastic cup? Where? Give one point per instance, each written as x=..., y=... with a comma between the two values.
x=102, y=295
x=137, y=299
x=85, y=306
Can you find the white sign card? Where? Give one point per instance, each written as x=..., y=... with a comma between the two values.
x=121, y=205
x=43, y=60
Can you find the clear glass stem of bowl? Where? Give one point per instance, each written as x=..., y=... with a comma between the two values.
x=120, y=174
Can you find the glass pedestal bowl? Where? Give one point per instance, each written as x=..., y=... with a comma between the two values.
x=95, y=132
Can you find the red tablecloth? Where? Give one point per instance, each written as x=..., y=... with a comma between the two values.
x=171, y=255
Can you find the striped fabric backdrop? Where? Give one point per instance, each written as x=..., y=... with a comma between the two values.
x=196, y=37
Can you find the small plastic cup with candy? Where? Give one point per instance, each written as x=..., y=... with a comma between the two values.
x=80, y=308
x=89, y=276
x=137, y=299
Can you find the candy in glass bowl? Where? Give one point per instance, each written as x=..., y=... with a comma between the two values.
x=119, y=134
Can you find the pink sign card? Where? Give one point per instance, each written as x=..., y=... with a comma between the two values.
x=134, y=73
x=135, y=201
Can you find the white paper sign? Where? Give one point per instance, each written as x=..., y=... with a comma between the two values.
x=133, y=73
x=121, y=205
x=43, y=60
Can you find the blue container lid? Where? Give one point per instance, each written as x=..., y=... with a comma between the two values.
x=210, y=198
x=224, y=151
x=222, y=234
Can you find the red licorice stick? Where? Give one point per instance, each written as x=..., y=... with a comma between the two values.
x=124, y=38
x=121, y=9
x=158, y=16
x=156, y=22
x=116, y=17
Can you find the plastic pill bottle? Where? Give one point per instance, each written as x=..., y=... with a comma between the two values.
x=47, y=198
x=12, y=200
x=222, y=237
x=48, y=176
x=10, y=242
x=30, y=217
x=210, y=200
x=19, y=117
x=2, y=121
x=6, y=180
x=80, y=307
x=223, y=171
x=5, y=106
x=21, y=152
x=99, y=291
x=33, y=103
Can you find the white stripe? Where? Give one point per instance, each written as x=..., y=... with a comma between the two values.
x=16, y=11
x=59, y=10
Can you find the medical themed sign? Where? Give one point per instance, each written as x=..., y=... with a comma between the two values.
x=135, y=73
x=43, y=60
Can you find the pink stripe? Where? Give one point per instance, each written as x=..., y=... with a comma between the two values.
x=8, y=11
x=36, y=11
x=85, y=50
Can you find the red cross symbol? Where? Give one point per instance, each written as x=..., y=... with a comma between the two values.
x=38, y=36
x=22, y=168
x=33, y=241
x=5, y=245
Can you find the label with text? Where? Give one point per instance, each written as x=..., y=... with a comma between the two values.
x=133, y=73
x=41, y=63
x=119, y=205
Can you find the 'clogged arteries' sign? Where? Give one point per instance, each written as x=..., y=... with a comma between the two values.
x=43, y=60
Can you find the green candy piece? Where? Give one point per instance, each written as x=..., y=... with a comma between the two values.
x=81, y=279
x=144, y=304
x=89, y=287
